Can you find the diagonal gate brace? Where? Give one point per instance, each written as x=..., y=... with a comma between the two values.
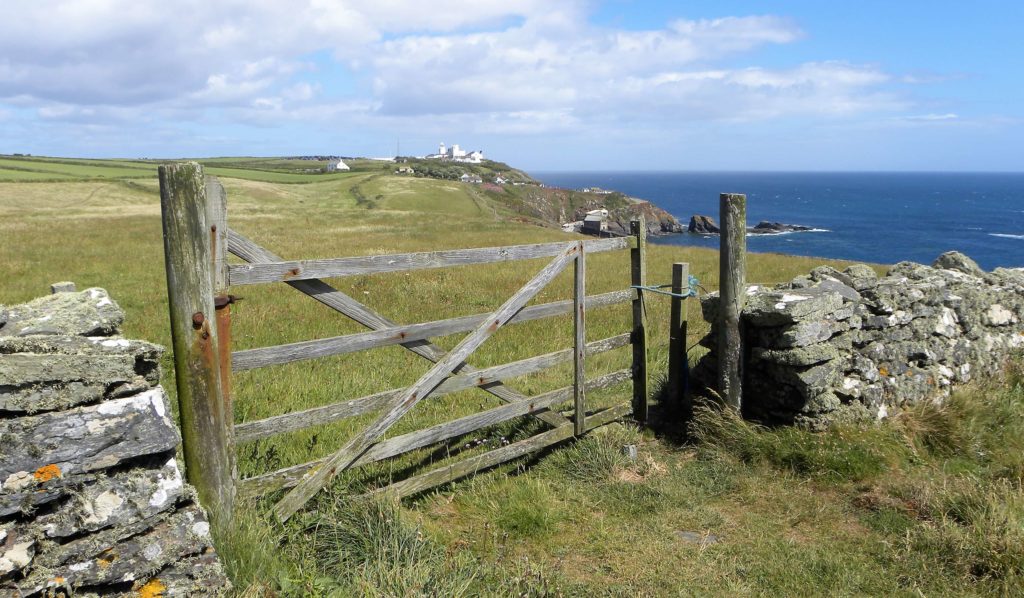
x=316, y=479
x=249, y=251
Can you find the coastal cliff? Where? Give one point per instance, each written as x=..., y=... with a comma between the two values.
x=552, y=206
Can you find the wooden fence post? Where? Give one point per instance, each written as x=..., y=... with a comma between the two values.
x=732, y=284
x=678, y=366
x=197, y=369
x=580, y=344
x=638, y=275
x=217, y=218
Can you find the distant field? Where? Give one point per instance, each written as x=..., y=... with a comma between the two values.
x=20, y=169
x=273, y=170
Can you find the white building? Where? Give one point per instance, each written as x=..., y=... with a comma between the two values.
x=457, y=154
x=337, y=166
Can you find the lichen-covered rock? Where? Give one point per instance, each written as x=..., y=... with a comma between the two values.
x=17, y=549
x=89, y=313
x=776, y=308
x=833, y=345
x=954, y=260
x=801, y=356
x=112, y=500
x=110, y=558
x=92, y=502
x=44, y=373
x=38, y=448
x=860, y=277
x=199, y=575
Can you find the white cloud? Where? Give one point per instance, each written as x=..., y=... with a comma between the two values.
x=500, y=66
x=931, y=117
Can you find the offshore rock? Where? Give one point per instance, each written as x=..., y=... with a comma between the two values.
x=773, y=228
x=703, y=225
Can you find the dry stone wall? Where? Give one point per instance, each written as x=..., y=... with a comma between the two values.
x=92, y=501
x=839, y=345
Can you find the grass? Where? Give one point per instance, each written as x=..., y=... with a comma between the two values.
x=929, y=503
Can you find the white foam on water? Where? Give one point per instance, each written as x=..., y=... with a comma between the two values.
x=1006, y=236
x=789, y=232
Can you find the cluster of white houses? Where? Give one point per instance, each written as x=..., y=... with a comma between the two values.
x=457, y=154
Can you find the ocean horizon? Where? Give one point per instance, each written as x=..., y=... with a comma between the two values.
x=879, y=217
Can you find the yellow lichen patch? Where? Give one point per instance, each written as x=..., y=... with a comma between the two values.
x=153, y=589
x=57, y=581
x=105, y=559
x=883, y=372
x=46, y=473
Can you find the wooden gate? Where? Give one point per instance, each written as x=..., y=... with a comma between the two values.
x=197, y=241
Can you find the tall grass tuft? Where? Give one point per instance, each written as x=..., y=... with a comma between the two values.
x=597, y=456
x=366, y=548
x=841, y=454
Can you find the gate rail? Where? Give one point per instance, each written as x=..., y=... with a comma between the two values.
x=197, y=240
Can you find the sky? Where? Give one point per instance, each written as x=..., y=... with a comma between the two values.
x=541, y=84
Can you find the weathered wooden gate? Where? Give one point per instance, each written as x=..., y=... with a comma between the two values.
x=197, y=241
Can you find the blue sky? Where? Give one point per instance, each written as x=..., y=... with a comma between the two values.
x=541, y=84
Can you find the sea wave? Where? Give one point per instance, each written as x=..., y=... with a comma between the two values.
x=789, y=232
x=1006, y=236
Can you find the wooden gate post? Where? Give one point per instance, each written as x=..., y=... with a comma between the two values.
x=732, y=263
x=205, y=427
x=678, y=366
x=579, y=296
x=638, y=275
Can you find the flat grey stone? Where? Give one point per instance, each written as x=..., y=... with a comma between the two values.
x=45, y=373
x=704, y=539
x=89, y=313
x=845, y=291
x=776, y=308
x=37, y=448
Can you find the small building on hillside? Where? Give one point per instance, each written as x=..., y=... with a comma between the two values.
x=471, y=178
x=337, y=166
x=405, y=170
x=499, y=180
x=595, y=222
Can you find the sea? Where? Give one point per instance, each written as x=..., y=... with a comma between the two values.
x=871, y=217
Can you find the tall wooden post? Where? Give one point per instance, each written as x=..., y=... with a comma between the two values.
x=217, y=219
x=732, y=285
x=197, y=369
x=678, y=366
x=638, y=275
x=580, y=341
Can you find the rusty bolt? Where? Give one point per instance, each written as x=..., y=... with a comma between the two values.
x=197, y=320
x=213, y=228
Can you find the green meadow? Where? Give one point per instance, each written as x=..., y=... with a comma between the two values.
x=928, y=503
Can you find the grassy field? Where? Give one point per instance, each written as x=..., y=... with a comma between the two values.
x=929, y=504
